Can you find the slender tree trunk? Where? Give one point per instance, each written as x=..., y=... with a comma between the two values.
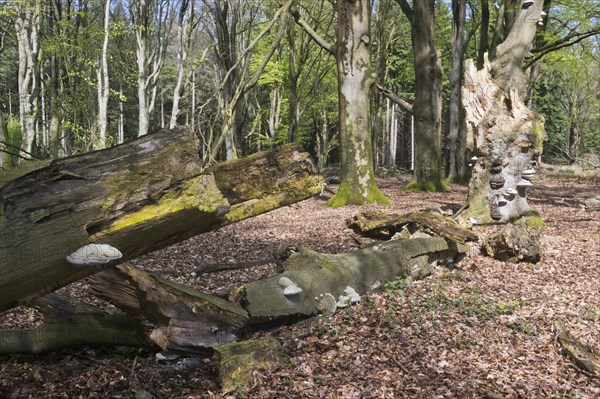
x=484, y=42
x=149, y=20
x=143, y=117
x=427, y=107
x=355, y=79
x=5, y=158
x=457, y=140
x=185, y=15
x=27, y=25
x=293, y=116
x=103, y=84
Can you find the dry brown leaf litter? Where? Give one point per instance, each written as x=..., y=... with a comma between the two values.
x=483, y=329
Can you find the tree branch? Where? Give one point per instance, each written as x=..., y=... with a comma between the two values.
x=282, y=15
x=330, y=48
x=557, y=45
x=395, y=98
x=406, y=9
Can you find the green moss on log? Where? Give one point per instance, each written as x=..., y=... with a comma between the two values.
x=237, y=361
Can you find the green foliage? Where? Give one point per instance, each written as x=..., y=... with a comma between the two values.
x=566, y=95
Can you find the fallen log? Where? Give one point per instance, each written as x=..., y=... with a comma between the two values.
x=176, y=318
x=68, y=323
x=314, y=282
x=383, y=224
x=238, y=361
x=583, y=355
x=136, y=197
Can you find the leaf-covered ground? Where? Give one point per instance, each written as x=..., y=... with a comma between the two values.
x=480, y=330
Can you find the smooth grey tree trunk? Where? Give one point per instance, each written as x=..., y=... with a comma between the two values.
x=186, y=11
x=103, y=83
x=355, y=79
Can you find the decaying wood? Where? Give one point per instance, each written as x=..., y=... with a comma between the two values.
x=503, y=134
x=514, y=243
x=323, y=276
x=175, y=317
x=68, y=323
x=583, y=355
x=136, y=197
x=238, y=360
x=378, y=223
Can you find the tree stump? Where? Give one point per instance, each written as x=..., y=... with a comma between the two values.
x=514, y=243
x=238, y=360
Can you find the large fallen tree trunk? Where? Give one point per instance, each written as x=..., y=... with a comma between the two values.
x=135, y=197
x=175, y=317
x=182, y=319
x=314, y=282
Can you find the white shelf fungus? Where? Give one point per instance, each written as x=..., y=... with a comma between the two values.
x=94, y=254
x=289, y=287
x=350, y=296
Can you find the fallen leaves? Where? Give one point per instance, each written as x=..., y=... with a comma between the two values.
x=482, y=329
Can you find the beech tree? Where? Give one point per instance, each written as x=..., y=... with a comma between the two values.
x=457, y=165
x=150, y=19
x=102, y=81
x=427, y=107
x=355, y=79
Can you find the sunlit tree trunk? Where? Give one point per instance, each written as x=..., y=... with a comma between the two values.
x=103, y=84
x=355, y=79
x=150, y=18
x=503, y=133
x=427, y=107
x=186, y=12
x=27, y=25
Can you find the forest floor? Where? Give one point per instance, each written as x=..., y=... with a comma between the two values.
x=483, y=329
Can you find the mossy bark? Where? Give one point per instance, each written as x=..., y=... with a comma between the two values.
x=427, y=108
x=353, y=58
x=318, y=274
x=237, y=361
x=136, y=197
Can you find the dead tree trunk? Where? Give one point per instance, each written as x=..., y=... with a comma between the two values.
x=314, y=282
x=136, y=197
x=503, y=134
x=175, y=317
x=69, y=323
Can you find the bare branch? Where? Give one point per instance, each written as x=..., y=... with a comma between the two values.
x=330, y=48
x=395, y=98
x=566, y=41
x=406, y=9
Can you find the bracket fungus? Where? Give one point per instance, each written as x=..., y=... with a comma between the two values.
x=94, y=254
x=326, y=304
x=350, y=296
x=289, y=287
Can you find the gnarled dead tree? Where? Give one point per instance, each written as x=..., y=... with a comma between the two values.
x=503, y=133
